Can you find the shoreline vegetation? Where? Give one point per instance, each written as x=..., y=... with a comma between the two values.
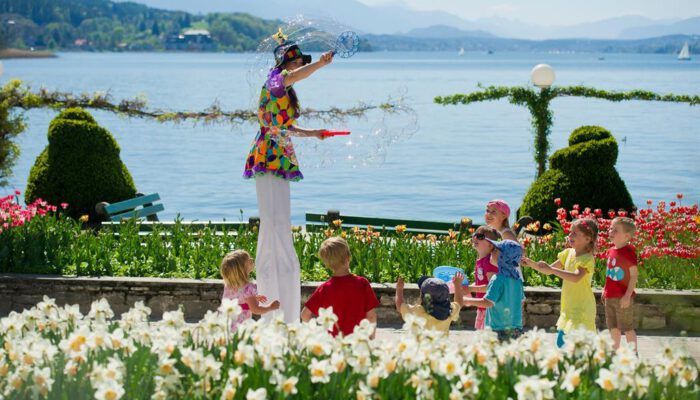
x=21, y=53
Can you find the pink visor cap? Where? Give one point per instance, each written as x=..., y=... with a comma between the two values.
x=500, y=205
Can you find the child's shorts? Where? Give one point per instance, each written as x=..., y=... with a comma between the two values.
x=617, y=317
x=480, y=318
x=509, y=334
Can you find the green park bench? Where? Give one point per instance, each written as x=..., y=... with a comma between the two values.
x=138, y=207
x=142, y=207
x=315, y=222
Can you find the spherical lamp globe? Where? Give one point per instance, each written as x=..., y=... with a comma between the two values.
x=542, y=76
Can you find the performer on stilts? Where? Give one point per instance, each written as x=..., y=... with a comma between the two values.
x=273, y=164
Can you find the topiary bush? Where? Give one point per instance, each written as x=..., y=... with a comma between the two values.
x=80, y=166
x=583, y=173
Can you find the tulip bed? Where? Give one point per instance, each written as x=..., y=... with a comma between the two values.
x=52, y=352
x=39, y=239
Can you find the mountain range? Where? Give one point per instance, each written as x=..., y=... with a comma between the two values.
x=397, y=19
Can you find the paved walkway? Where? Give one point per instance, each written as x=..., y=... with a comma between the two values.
x=648, y=345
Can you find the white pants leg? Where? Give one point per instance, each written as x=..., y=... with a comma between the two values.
x=276, y=262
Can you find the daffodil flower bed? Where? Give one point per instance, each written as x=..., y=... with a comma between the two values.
x=58, y=353
x=40, y=239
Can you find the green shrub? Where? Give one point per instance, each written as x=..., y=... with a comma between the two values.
x=80, y=166
x=583, y=173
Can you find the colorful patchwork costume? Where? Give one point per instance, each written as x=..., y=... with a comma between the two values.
x=272, y=151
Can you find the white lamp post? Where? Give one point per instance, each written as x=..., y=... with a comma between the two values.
x=542, y=76
x=1, y=68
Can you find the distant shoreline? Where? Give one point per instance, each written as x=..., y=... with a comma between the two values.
x=17, y=53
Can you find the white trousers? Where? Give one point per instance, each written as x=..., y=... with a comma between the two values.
x=276, y=262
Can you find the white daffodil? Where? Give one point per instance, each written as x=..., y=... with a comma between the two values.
x=534, y=387
x=450, y=365
x=571, y=379
x=320, y=371
x=258, y=394
x=42, y=380
x=109, y=390
x=326, y=318
x=469, y=383
x=607, y=380
x=288, y=386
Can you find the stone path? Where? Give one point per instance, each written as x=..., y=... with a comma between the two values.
x=648, y=345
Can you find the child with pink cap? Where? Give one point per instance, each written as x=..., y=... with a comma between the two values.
x=496, y=216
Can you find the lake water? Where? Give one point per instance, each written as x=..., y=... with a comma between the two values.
x=444, y=165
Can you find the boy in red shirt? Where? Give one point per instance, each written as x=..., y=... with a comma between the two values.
x=351, y=296
x=620, y=282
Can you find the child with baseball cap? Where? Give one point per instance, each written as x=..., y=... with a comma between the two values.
x=435, y=308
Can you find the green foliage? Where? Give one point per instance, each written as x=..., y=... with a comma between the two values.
x=56, y=245
x=10, y=127
x=109, y=25
x=538, y=105
x=583, y=173
x=80, y=166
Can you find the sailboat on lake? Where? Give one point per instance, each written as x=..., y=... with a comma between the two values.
x=684, y=54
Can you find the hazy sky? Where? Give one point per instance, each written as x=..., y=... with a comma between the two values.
x=555, y=12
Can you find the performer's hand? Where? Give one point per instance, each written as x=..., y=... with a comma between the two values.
x=326, y=58
x=318, y=134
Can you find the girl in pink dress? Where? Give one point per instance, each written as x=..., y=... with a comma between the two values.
x=235, y=270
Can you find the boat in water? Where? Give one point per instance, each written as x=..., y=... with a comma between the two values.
x=684, y=54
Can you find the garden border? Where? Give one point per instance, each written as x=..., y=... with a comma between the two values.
x=656, y=311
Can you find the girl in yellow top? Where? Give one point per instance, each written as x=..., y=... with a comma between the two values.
x=575, y=266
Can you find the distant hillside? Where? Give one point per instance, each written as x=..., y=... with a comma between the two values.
x=106, y=25
x=99, y=25
x=667, y=44
x=446, y=32
x=690, y=26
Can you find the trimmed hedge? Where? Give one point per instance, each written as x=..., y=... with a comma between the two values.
x=583, y=173
x=80, y=166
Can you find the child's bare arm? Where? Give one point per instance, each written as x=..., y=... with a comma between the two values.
x=541, y=266
x=256, y=308
x=483, y=303
x=569, y=276
x=457, y=283
x=626, y=299
x=372, y=317
x=477, y=289
x=398, y=300
x=306, y=315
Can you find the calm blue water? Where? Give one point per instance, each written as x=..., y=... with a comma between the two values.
x=458, y=158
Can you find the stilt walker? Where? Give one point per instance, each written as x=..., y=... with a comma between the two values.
x=273, y=164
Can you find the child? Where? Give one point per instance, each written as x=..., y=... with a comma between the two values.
x=484, y=269
x=235, y=270
x=351, y=296
x=620, y=282
x=496, y=216
x=435, y=307
x=505, y=294
x=575, y=266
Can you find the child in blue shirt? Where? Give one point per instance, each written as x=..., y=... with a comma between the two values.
x=504, y=294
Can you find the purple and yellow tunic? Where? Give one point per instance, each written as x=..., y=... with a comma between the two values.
x=272, y=151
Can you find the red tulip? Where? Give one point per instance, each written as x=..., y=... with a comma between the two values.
x=557, y=201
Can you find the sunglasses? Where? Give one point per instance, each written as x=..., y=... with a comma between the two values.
x=479, y=236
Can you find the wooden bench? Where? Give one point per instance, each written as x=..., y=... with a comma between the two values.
x=138, y=207
x=315, y=222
